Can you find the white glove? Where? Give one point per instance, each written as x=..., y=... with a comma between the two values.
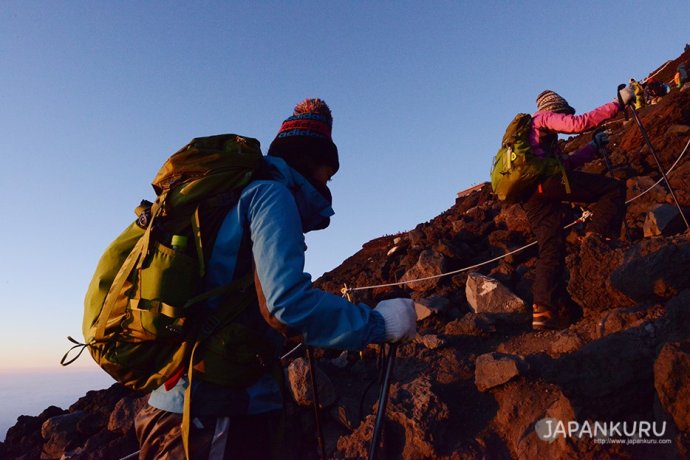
x=600, y=139
x=627, y=96
x=400, y=318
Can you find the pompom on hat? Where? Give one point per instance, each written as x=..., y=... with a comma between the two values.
x=304, y=140
x=550, y=101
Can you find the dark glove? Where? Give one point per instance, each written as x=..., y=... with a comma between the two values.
x=600, y=139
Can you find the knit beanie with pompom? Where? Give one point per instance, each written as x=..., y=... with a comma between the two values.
x=304, y=140
x=549, y=101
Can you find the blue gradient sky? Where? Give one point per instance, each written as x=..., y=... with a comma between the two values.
x=95, y=95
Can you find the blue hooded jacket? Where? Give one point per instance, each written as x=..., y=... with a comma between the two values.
x=274, y=214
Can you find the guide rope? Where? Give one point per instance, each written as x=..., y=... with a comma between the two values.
x=585, y=215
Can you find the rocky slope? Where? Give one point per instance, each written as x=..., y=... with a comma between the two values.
x=477, y=382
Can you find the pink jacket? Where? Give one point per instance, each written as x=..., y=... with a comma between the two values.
x=545, y=126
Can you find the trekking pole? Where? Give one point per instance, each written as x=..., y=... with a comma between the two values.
x=645, y=136
x=317, y=408
x=383, y=400
x=605, y=155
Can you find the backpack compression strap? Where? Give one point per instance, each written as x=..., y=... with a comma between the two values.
x=135, y=258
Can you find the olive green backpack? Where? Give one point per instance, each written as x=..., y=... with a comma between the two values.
x=515, y=168
x=142, y=316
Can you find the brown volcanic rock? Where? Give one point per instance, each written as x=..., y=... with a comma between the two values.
x=671, y=371
x=521, y=405
x=664, y=219
x=646, y=196
x=24, y=439
x=120, y=420
x=590, y=276
x=512, y=216
x=606, y=275
x=494, y=369
x=299, y=384
x=415, y=424
x=82, y=432
x=654, y=269
x=610, y=377
x=430, y=264
x=60, y=434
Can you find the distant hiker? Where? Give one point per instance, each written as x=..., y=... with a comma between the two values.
x=681, y=76
x=264, y=234
x=656, y=90
x=542, y=202
x=639, y=90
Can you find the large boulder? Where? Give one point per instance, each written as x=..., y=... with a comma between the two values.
x=590, y=276
x=487, y=295
x=122, y=417
x=522, y=408
x=494, y=369
x=60, y=433
x=663, y=219
x=654, y=270
x=299, y=379
x=609, y=377
x=24, y=438
x=429, y=264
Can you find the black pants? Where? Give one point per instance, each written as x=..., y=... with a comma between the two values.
x=544, y=211
x=246, y=437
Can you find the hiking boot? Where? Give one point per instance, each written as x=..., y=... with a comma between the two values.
x=543, y=318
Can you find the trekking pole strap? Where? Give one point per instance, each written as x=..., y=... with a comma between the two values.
x=78, y=344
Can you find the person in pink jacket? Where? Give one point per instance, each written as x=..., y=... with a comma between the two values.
x=543, y=203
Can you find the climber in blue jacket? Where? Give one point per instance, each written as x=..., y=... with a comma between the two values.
x=264, y=233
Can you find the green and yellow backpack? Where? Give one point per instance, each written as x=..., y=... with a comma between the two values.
x=142, y=317
x=515, y=168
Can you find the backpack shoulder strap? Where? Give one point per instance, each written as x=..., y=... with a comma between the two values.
x=211, y=324
x=209, y=215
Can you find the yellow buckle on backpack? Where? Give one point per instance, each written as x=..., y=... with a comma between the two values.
x=156, y=305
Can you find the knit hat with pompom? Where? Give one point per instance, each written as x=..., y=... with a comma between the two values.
x=304, y=139
x=549, y=101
